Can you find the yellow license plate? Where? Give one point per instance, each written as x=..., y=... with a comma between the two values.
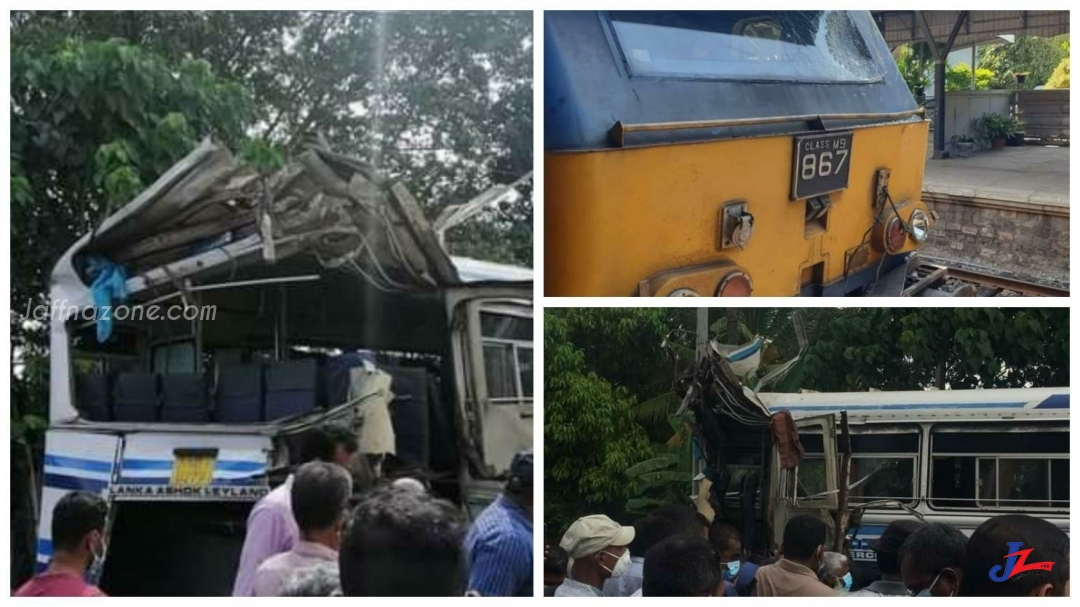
x=192, y=471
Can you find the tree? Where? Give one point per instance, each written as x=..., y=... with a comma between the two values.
x=913, y=60
x=958, y=78
x=590, y=439
x=1060, y=78
x=1031, y=55
x=912, y=349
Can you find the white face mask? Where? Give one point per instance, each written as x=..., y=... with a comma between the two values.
x=928, y=590
x=621, y=566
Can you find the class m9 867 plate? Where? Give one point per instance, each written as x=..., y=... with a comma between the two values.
x=822, y=164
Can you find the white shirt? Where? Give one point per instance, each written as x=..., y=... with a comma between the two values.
x=272, y=574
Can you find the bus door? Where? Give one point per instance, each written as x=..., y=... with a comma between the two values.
x=493, y=350
x=811, y=487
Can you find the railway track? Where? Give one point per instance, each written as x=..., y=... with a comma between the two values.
x=928, y=279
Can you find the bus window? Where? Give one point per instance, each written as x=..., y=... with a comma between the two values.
x=804, y=46
x=975, y=468
x=1059, y=483
x=811, y=472
x=1008, y=482
x=508, y=356
x=879, y=478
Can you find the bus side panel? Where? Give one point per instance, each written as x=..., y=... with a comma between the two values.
x=74, y=461
x=241, y=461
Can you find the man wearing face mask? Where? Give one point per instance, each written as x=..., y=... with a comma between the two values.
x=932, y=560
x=738, y=575
x=796, y=574
x=78, y=527
x=887, y=548
x=836, y=573
x=598, y=550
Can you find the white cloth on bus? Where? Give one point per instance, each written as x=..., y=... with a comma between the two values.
x=376, y=430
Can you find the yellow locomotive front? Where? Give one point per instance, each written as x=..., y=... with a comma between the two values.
x=727, y=154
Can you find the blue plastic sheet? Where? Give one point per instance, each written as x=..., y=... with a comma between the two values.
x=109, y=286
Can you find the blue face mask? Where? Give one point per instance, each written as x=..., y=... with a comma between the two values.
x=732, y=570
x=846, y=580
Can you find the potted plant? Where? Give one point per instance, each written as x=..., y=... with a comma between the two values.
x=997, y=129
x=964, y=145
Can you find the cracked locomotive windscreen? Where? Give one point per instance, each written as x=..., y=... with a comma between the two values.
x=801, y=46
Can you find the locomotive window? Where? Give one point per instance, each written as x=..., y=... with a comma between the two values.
x=806, y=46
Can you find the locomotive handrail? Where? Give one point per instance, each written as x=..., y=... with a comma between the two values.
x=617, y=134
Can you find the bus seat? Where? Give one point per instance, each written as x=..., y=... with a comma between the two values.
x=135, y=397
x=240, y=393
x=291, y=388
x=92, y=396
x=183, y=398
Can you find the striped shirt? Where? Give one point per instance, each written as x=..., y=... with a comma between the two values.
x=499, y=547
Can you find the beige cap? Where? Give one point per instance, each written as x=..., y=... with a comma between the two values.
x=593, y=533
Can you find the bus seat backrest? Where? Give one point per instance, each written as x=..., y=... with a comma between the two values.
x=291, y=388
x=135, y=397
x=92, y=397
x=184, y=398
x=240, y=393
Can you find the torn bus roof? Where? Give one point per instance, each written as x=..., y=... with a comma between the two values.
x=211, y=208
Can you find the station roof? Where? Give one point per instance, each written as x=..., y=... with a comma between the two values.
x=903, y=27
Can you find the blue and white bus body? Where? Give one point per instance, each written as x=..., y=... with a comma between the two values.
x=134, y=462
x=953, y=433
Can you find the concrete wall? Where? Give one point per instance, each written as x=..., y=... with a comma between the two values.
x=963, y=107
x=1023, y=241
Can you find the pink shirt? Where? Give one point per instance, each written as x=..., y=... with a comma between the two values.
x=58, y=584
x=271, y=529
x=271, y=576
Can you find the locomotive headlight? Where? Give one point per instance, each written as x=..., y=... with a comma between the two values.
x=919, y=225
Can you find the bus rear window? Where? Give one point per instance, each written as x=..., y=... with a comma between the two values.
x=802, y=46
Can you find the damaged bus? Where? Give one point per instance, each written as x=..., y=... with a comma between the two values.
x=248, y=309
x=862, y=460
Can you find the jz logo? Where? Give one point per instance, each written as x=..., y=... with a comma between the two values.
x=1016, y=563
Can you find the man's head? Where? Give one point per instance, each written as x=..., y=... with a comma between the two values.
x=932, y=560
x=985, y=558
x=688, y=520
x=726, y=541
x=682, y=565
x=320, y=496
x=402, y=543
x=334, y=443
x=598, y=545
x=887, y=547
x=520, y=484
x=78, y=527
x=804, y=540
x=834, y=571
x=649, y=530
x=555, y=563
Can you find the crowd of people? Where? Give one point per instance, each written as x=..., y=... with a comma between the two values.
x=676, y=551
x=305, y=538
